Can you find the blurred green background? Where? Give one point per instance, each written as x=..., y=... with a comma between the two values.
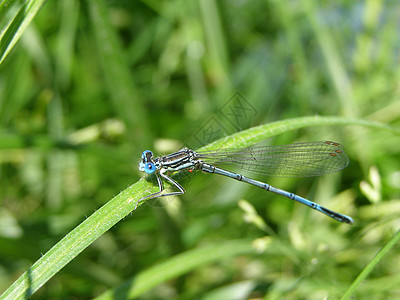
x=91, y=84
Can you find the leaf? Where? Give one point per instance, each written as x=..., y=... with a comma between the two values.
x=14, y=30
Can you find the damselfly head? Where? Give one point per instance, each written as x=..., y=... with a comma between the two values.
x=147, y=164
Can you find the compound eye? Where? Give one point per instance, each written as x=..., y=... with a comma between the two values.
x=149, y=168
x=147, y=155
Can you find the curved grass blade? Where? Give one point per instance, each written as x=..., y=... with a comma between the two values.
x=251, y=136
x=76, y=241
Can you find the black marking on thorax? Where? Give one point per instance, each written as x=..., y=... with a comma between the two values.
x=176, y=159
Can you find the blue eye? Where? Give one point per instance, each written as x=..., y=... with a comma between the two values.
x=146, y=155
x=149, y=168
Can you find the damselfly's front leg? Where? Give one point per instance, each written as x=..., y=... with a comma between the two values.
x=181, y=189
x=161, y=186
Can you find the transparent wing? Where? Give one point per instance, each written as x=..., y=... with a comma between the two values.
x=292, y=160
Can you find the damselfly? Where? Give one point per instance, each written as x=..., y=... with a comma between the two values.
x=292, y=160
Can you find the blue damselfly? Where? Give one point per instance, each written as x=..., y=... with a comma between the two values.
x=292, y=160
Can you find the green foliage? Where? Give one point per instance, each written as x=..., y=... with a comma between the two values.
x=88, y=85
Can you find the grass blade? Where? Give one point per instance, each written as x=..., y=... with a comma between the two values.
x=368, y=269
x=18, y=25
x=122, y=90
x=75, y=242
x=256, y=134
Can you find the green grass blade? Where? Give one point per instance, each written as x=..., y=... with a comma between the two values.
x=118, y=78
x=256, y=134
x=368, y=269
x=216, y=42
x=18, y=25
x=75, y=242
x=176, y=266
x=335, y=65
x=121, y=205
